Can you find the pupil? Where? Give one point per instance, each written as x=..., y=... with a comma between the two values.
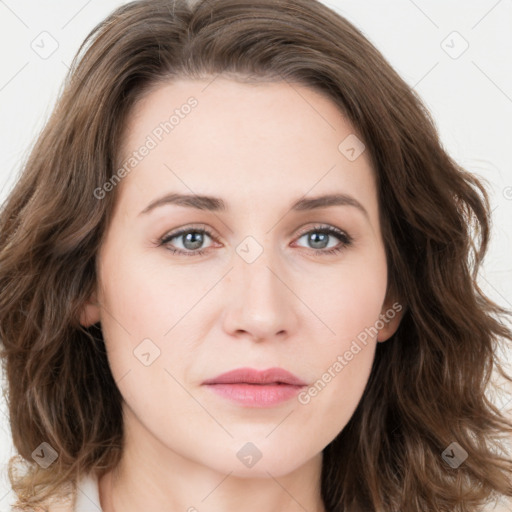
x=195, y=243
x=314, y=239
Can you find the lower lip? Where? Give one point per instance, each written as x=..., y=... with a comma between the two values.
x=256, y=395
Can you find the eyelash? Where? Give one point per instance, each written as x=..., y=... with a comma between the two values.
x=345, y=239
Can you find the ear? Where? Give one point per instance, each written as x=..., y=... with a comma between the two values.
x=90, y=312
x=390, y=318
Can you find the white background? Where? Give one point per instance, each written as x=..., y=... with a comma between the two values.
x=469, y=96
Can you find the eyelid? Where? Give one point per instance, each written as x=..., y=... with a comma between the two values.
x=186, y=229
x=322, y=227
x=208, y=231
x=344, y=238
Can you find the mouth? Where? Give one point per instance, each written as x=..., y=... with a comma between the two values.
x=253, y=388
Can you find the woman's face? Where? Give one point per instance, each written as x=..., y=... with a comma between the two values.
x=267, y=289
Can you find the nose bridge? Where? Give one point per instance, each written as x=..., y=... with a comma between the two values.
x=260, y=302
x=256, y=271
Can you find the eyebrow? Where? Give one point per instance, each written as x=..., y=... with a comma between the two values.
x=216, y=204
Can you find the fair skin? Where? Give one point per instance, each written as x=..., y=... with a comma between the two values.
x=259, y=147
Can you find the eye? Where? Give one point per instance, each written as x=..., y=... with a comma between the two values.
x=191, y=240
x=320, y=236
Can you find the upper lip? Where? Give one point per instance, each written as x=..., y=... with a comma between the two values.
x=252, y=376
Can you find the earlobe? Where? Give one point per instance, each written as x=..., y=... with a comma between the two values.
x=90, y=313
x=390, y=318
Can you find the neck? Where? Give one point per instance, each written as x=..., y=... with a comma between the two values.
x=152, y=476
x=136, y=486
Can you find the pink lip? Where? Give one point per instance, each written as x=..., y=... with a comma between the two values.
x=255, y=388
x=250, y=376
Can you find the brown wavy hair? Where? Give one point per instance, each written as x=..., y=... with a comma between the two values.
x=428, y=384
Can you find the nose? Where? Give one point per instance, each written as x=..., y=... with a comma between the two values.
x=260, y=302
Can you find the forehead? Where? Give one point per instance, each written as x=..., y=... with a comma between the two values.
x=255, y=141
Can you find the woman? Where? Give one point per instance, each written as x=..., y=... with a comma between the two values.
x=238, y=271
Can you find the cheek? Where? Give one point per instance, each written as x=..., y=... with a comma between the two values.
x=335, y=395
x=342, y=362
x=349, y=305
x=148, y=319
x=349, y=298
x=144, y=299
x=130, y=305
